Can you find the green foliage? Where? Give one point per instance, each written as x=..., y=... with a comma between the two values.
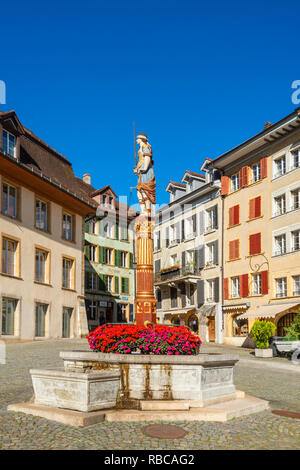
x=294, y=329
x=262, y=331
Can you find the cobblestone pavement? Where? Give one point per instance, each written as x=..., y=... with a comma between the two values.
x=258, y=431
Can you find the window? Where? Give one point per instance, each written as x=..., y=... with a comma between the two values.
x=121, y=313
x=67, y=226
x=255, y=244
x=256, y=172
x=110, y=201
x=239, y=326
x=279, y=205
x=281, y=287
x=8, y=316
x=104, y=200
x=41, y=215
x=210, y=290
x=190, y=294
x=256, y=284
x=157, y=240
x=173, y=260
x=92, y=253
x=235, y=287
x=108, y=253
x=124, y=256
x=234, y=249
x=235, y=182
x=280, y=244
x=66, y=322
x=211, y=219
x=108, y=229
x=172, y=233
x=9, y=257
x=92, y=310
x=295, y=196
x=173, y=293
x=109, y=283
x=124, y=285
x=124, y=232
x=92, y=279
x=92, y=226
x=296, y=285
x=68, y=275
x=40, y=319
x=296, y=240
x=159, y=299
x=210, y=254
x=9, y=143
x=296, y=158
x=9, y=200
x=41, y=274
x=190, y=257
x=234, y=215
x=279, y=166
x=255, y=207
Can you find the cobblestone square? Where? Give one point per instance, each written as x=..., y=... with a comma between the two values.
x=258, y=431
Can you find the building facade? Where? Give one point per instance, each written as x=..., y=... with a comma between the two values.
x=261, y=229
x=109, y=255
x=42, y=208
x=187, y=255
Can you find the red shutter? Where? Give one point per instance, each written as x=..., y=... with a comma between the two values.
x=257, y=206
x=264, y=282
x=231, y=250
x=226, y=294
x=244, y=286
x=263, y=167
x=224, y=185
x=236, y=215
x=246, y=168
x=237, y=249
x=255, y=244
x=243, y=176
x=258, y=243
x=230, y=216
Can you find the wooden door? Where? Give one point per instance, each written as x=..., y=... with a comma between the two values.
x=211, y=329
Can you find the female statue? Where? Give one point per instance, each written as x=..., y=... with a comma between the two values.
x=144, y=169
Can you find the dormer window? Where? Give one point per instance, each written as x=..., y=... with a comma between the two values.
x=9, y=143
x=110, y=201
x=104, y=200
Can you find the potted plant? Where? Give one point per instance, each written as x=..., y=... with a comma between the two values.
x=262, y=331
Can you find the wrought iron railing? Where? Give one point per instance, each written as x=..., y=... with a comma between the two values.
x=176, y=273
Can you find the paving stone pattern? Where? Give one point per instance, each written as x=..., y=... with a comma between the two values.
x=258, y=431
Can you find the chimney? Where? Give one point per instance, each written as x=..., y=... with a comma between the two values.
x=268, y=124
x=87, y=178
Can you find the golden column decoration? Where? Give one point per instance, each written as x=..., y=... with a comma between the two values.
x=145, y=302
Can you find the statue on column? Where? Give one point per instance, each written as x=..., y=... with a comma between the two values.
x=144, y=169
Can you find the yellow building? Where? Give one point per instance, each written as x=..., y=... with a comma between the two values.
x=260, y=193
x=42, y=207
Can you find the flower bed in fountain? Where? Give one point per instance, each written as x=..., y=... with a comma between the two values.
x=154, y=339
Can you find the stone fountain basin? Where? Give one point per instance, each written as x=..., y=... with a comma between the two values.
x=202, y=378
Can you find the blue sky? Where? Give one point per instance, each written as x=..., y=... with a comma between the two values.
x=197, y=77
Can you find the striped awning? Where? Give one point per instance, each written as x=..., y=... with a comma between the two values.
x=268, y=311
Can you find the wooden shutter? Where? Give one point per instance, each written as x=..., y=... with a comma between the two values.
x=255, y=244
x=117, y=231
x=236, y=214
x=258, y=206
x=230, y=216
x=183, y=259
x=200, y=292
x=117, y=285
x=216, y=289
x=201, y=223
x=263, y=167
x=216, y=217
x=255, y=207
x=264, y=282
x=157, y=264
x=216, y=253
x=244, y=285
x=224, y=185
x=101, y=254
x=167, y=236
x=130, y=260
x=226, y=292
x=200, y=257
x=194, y=219
x=182, y=230
x=252, y=209
x=102, y=284
x=237, y=249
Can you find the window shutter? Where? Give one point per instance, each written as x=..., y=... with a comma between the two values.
x=200, y=257
x=117, y=231
x=200, y=292
x=241, y=178
x=167, y=236
x=177, y=231
x=257, y=206
x=182, y=230
x=216, y=217
x=194, y=224
x=224, y=185
x=117, y=258
x=263, y=167
x=255, y=244
x=117, y=286
x=237, y=249
x=216, y=253
x=252, y=209
x=158, y=240
x=264, y=282
x=226, y=293
x=102, y=284
x=236, y=215
x=86, y=227
x=244, y=285
x=216, y=289
x=231, y=250
x=201, y=223
x=157, y=265
x=230, y=216
x=101, y=254
x=183, y=259
x=130, y=260
x=86, y=251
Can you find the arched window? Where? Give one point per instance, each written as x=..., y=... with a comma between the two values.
x=193, y=323
x=285, y=322
x=175, y=321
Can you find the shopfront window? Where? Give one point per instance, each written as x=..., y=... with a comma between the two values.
x=239, y=327
x=193, y=323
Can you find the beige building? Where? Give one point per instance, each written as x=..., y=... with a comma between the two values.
x=42, y=207
x=261, y=229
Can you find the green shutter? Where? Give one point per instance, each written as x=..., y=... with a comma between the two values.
x=117, y=287
x=86, y=227
x=127, y=285
x=117, y=252
x=86, y=251
x=117, y=231
x=102, y=282
x=101, y=228
x=131, y=260
x=101, y=254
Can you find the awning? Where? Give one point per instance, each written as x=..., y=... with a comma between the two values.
x=208, y=310
x=267, y=311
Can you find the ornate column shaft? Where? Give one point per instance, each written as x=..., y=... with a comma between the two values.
x=145, y=302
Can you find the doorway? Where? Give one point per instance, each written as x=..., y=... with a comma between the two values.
x=211, y=325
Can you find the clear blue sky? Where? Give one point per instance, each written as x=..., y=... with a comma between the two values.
x=197, y=77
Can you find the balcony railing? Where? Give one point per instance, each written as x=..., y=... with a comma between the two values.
x=177, y=272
